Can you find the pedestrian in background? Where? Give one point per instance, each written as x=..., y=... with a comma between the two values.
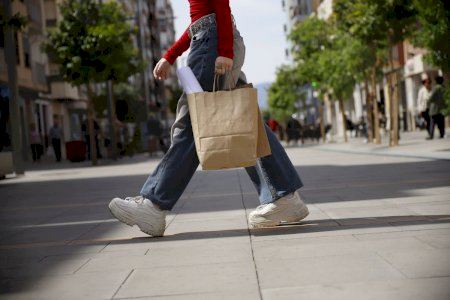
x=293, y=130
x=422, y=101
x=55, y=135
x=35, y=143
x=436, y=108
x=216, y=48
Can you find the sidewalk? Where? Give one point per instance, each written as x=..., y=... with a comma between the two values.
x=379, y=228
x=411, y=144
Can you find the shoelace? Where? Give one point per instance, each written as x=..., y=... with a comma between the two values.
x=137, y=199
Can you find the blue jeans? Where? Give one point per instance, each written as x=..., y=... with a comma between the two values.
x=274, y=176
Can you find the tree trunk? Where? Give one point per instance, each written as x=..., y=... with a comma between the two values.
x=392, y=81
x=395, y=111
x=111, y=119
x=344, y=121
x=376, y=120
x=91, y=129
x=322, y=121
x=369, y=113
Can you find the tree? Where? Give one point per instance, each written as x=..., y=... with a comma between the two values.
x=433, y=32
x=123, y=92
x=92, y=44
x=284, y=93
x=330, y=57
x=310, y=38
x=380, y=24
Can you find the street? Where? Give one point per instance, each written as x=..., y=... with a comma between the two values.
x=379, y=228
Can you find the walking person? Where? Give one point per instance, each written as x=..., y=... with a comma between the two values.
x=35, y=143
x=216, y=47
x=55, y=135
x=436, y=107
x=422, y=101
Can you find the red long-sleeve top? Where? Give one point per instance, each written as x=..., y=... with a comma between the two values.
x=198, y=9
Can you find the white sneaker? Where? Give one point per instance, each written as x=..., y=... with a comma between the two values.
x=289, y=209
x=141, y=212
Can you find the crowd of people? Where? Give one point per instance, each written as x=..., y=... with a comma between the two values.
x=430, y=106
x=126, y=141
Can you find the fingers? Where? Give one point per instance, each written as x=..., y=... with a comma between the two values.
x=161, y=71
x=223, y=65
x=221, y=68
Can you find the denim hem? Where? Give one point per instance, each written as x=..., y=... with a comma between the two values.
x=280, y=195
x=161, y=205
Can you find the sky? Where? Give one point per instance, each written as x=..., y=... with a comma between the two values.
x=261, y=25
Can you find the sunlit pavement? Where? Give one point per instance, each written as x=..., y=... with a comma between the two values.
x=379, y=228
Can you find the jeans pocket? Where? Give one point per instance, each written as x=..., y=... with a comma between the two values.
x=200, y=36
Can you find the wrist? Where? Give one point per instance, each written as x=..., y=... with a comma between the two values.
x=169, y=59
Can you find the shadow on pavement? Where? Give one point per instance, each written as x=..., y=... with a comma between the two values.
x=80, y=205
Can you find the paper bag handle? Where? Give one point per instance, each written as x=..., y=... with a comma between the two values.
x=216, y=79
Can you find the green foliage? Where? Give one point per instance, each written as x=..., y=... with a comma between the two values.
x=284, y=93
x=376, y=22
x=433, y=32
x=92, y=43
x=330, y=58
x=121, y=92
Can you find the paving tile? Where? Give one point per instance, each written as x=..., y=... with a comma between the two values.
x=216, y=278
x=210, y=215
x=366, y=212
x=319, y=228
x=440, y=208
x=101, y=285
x=355, y=203
x=415, y=263
x=181, y=240
x=418, y=199
x=278, y=272
x=238, y=222
x=401, y=233
x=173, y=256
x=408, y=289
x=112, y=230
x=47, y=234
x=208, y=296
x=52, y=266
x=292, y=249
x=437, y=241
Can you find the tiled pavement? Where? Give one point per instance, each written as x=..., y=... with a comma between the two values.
x=379, y=228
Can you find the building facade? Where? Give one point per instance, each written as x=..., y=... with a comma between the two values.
x=45, y=97
x=31, y=75
x=69, y=103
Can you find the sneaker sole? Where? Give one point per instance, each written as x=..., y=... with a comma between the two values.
x=115, y=211
x=264, y=223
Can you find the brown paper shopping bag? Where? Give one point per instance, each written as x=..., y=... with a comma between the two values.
x=228, y=128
